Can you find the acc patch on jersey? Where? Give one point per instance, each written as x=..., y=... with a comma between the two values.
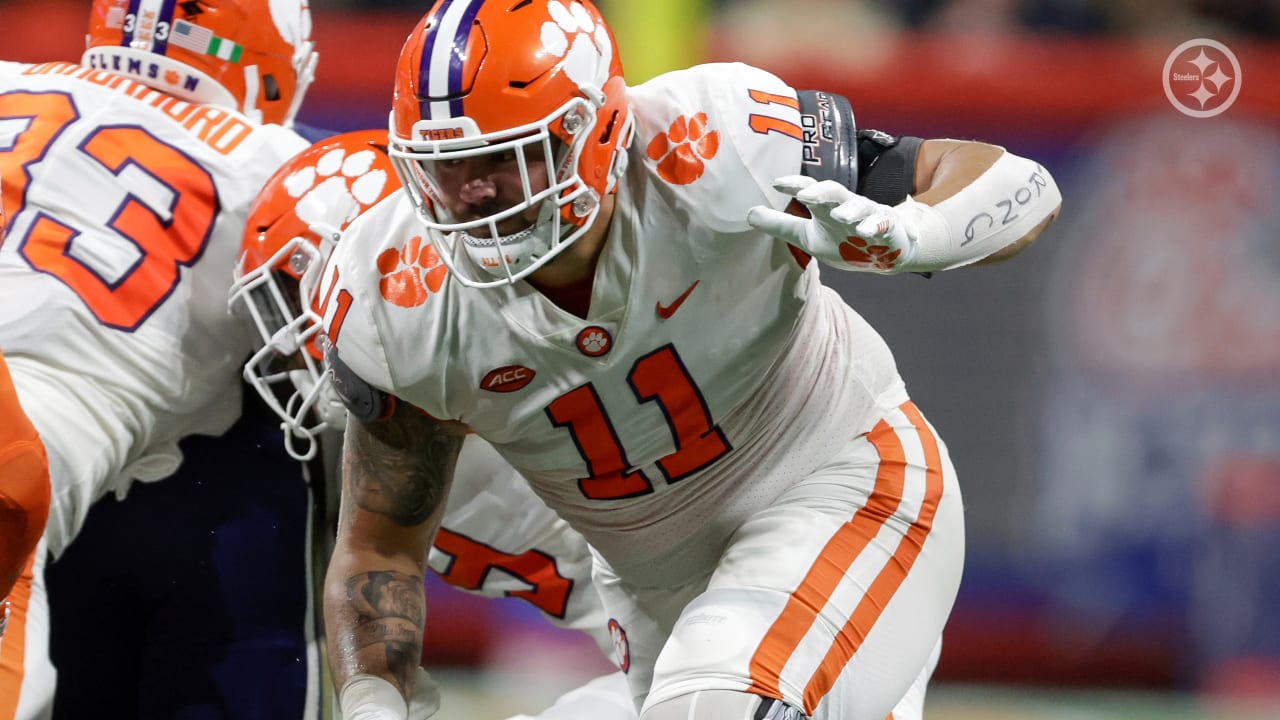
x=506, y=379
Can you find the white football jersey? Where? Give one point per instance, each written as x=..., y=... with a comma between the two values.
x=126, y=208
x=498, y=539
x=665, y=417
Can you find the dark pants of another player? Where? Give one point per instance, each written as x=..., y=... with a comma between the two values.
x=188, y=600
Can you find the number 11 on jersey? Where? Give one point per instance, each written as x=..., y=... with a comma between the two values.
x=660, y=377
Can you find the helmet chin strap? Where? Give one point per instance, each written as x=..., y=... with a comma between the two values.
x=521, y=248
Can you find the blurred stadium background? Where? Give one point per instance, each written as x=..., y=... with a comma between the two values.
x=1111, y=399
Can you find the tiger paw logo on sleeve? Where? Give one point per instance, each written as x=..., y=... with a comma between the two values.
x=682, y=150
x=411, y=274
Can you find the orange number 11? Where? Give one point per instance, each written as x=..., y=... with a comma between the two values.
x=765, y=124
x=660, y=377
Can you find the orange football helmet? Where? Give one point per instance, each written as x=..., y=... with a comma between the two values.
x=252, y=55
x=534, y=79
x=292, y=228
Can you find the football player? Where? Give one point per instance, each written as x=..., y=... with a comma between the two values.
x=493, y=522
x=497, y=539
x=127, y=179
x=777, y=530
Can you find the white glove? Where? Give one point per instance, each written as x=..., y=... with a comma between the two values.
x=846, y=228
x=368, y=697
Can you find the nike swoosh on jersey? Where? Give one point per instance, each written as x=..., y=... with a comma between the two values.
x=666, y=311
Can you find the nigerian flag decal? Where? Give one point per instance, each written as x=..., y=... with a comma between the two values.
x=202, y=40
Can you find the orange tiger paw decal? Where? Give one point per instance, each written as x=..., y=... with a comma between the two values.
x=411, y=274
x=856, y=251
x=682, y=150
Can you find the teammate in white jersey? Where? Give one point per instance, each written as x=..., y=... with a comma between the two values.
x=602, y=282
x=497, y=538
x=127, y=179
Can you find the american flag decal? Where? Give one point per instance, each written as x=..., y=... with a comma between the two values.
x=202, y=40
x=191, y=37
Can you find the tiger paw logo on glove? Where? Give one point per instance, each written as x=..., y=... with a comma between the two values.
x=861, y=253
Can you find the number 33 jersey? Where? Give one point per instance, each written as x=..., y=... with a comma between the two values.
x=126, y=207
x=712, y=371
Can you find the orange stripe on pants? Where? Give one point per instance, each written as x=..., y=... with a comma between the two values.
x=802, y=608
x=890, y=578
x=13, y=646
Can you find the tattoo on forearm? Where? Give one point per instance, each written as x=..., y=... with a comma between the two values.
x=390, y=610
x=399, y=468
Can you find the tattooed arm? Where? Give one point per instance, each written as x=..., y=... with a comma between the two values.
x=396, y=475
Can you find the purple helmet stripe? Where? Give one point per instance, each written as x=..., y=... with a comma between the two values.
x=126, y=36
x=444, y=57
x=166, y=18
x=458, y=58
x=424, y=62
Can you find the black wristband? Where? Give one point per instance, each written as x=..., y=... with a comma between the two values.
x=888, y=169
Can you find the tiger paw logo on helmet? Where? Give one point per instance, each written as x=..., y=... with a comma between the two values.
x=410, y=274
x=337, y=188
x=582, y=44
x=682, y=151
